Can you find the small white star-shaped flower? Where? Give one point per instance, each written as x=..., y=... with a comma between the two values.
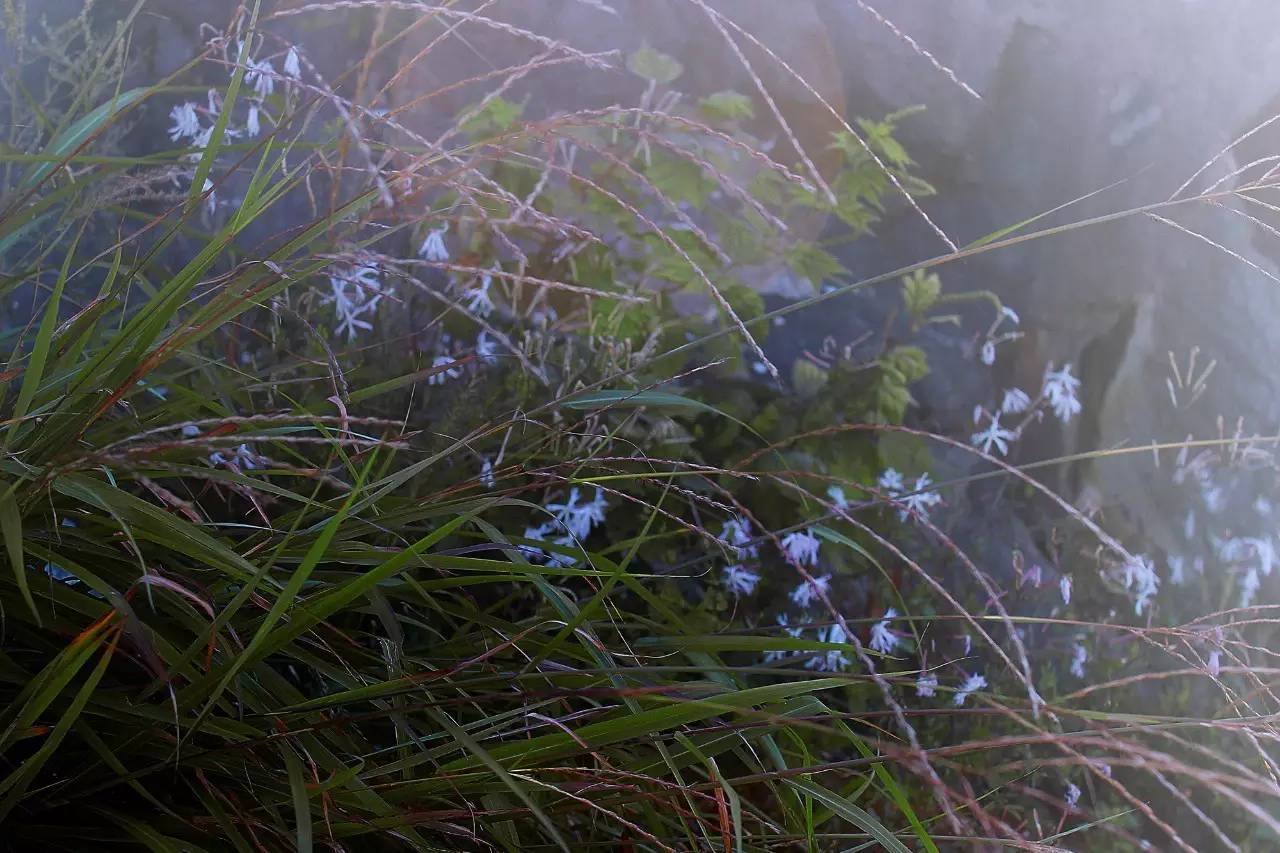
x=971, y=685
x=807, y=591
x=994, y=436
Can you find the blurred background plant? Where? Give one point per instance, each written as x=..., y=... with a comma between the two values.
x=375, y=481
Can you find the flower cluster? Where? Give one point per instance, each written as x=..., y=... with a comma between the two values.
x=1060, y=389
x=1139, y=577
x=801, y=546
x=994, y=437
x=971, y=685
x=810, y=590
x=830, y=660
x=915, y=500
x=740, y=580
x=1079, y=656
x=883, y=640
x=572, y=521
x=1254, y=557
x=995, y=337
x=260, y=75
x=355, y=292
x=1058, y=393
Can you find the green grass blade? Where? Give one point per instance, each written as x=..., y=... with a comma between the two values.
x=856, y=815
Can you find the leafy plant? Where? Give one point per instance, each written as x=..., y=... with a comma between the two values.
x=463, y=511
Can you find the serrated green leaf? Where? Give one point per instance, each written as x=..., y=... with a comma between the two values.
x=654, y=65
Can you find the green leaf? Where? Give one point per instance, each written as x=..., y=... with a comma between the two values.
x=653, y=65
x=11, y=530
x=856, y=815
x=920, y=290
x=811, y=262
x=40, y=353
x=680, y=179
x=726, y=106
x=15, y=785
x=74, y=136
x=622, y=398
x=301, y=799
x=497, y=116
x=807, y=378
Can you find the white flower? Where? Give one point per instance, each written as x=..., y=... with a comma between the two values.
x=778, y=654
x=1010, y=315
x=994, y=436
x=988, y=355
x=832, y=660
x=246, y=458
x=837, y=496
x=433, y=247
x=920, y=500
x=190, y=430
x=784, y=623
x=971, y=685
x=883, y=640
x=355, y=292
x=486, y=474
x=891, y=482
x=1079, y=655
x=1060, y=388
x=211, y=201
x=292, y=65
x=1214, y=496
x=540, y=534
x=1140, y=577
x=801, y=546
x=1215, y=662
x=1015, y=401
x=1064, y=587
x=737, y=532
x=200, y=142
x=1249, y=587
x=926, y=684
x=579, y=518
x=740, y=581
x=186, y=124
x=485, y=348
x=1177, y=569
x=478, y=301
x=443, y=376
x=807, y=591
x=251, y=125
x=1073, y=795
x=968, y=644
x=262, y=77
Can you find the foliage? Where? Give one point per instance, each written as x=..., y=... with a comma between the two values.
x=412, y=527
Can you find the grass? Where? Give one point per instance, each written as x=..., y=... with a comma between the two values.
x=260, y=593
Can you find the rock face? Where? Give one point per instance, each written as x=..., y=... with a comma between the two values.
x=1074, y=98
